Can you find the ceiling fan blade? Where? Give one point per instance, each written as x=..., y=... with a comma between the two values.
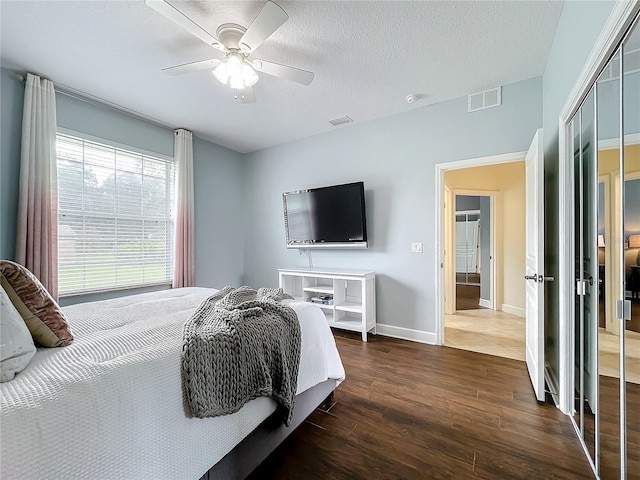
x=283, y=71
x=191, y=67
x=270, y=18
x=247, y=96
x=176, y=16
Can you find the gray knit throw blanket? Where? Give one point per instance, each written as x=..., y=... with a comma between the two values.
x=238, y=345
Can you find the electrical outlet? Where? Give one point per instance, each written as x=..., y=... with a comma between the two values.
x=416, y=247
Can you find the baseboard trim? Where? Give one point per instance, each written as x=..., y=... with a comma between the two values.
x=513, y=310
x=484, y=303
x=406, y=334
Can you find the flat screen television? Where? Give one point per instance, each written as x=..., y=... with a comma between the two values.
x=326, y=217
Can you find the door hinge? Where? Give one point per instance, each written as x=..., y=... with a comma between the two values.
x=623, y=309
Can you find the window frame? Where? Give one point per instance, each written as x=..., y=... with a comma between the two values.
x=171, y=208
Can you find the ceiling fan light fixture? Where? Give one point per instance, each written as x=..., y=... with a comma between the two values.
x=221, y=72
x=249, y=76
x=237, y=43
x=234, y=63
x=235, y=71
x=236, y=83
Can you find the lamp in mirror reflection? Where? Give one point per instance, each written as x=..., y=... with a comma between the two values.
x=634, y=240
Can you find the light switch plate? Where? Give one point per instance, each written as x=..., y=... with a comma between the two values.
x=416, y=247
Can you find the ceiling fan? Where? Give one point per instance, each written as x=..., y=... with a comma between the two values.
x=236, y=43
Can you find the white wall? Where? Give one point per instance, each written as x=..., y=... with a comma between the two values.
x=395, y=157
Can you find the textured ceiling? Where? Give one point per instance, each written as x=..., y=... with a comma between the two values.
x=367, y=56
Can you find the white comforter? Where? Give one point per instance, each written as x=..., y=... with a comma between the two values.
x=110, y=405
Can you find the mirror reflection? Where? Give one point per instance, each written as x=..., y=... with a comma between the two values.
x=631, y=325
x=606, y=164
x=610, y=253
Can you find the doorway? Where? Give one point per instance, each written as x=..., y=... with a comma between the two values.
x=490, y=319
x=473, y=246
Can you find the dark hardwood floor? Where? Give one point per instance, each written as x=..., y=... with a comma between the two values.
x=414, y=411
x=610, y=429
x=473, y=278
x=467, y=297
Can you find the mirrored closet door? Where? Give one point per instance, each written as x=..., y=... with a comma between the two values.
x=610, y=254
x=586, y=273
x=468, y=247
x=630, y=345
x=605, y=135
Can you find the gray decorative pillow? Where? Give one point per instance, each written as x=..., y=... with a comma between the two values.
x=16, y=345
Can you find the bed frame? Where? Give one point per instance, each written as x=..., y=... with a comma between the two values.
x=258, y=445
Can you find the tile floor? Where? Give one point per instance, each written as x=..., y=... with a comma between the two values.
x=501, y=334
x=486, y=331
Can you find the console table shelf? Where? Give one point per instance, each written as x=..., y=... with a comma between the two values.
x=353, y=295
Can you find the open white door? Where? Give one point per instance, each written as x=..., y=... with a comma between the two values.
x=449, y=254
x=535, y=265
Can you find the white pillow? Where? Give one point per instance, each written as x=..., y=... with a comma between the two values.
x=16, y=345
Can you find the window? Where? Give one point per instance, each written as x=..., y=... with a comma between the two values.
x=115, y=217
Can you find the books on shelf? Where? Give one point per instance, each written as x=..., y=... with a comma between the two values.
x=323, y=299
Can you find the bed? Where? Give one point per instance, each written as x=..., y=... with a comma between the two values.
x=110, y=405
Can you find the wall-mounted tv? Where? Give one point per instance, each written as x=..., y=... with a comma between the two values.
x=326, y=217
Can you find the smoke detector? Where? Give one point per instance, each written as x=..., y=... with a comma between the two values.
x=413, y=97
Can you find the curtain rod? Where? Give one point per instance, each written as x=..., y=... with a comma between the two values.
x=100, y=102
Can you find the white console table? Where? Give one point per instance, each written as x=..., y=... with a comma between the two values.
x=354, y=295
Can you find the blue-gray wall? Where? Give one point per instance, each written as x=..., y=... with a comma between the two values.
x=219, y=185
x=11, y=101
x=467, y=202
x=395, y=157
x=578, y=28
x=220, y=214
x=632, y=207
x=109, y=124
x=609, y=107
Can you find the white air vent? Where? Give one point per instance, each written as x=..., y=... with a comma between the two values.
x=340, y=121
x=486, y=99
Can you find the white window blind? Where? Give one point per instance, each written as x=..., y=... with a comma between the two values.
x=115, y=217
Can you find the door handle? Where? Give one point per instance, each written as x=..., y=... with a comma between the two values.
x=542, y=278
